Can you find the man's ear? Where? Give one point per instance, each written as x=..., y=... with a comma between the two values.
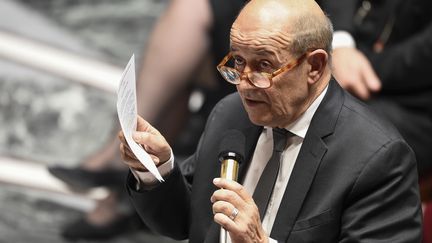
x=317, y=60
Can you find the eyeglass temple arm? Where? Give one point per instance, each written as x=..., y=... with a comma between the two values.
x=290, y=65
x=224, y=60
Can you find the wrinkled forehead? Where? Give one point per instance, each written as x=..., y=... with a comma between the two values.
x=260, y=40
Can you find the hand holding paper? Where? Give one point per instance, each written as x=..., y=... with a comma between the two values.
x=152, y=140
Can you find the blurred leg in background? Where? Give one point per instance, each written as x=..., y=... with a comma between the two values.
x=177, y=88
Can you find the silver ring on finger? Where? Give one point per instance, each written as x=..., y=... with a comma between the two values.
x=234, y=213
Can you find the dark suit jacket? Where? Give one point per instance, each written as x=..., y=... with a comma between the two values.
x=354, y=180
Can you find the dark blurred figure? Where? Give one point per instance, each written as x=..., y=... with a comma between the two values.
x=179, y=63
x=394, y=39
x=389, y=68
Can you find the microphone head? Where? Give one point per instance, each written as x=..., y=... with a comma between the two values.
x=232, y=146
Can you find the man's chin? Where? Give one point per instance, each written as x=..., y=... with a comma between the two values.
x=259, y=119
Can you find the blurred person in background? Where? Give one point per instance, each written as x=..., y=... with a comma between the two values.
x=387, y=65
x=179, y=63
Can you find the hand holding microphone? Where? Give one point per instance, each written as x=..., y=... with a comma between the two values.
x=233, y=207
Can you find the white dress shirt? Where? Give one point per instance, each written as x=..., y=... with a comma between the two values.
x=343, y=39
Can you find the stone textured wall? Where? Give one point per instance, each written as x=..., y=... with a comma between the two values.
x=50, y=119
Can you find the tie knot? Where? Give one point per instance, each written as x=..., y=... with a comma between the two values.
x=280, y=137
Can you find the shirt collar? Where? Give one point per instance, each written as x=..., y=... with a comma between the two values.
x=300, y=126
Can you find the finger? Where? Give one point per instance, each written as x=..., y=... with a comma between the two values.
x=227, y=196
x=128, y=152
x=130, y=160
x=225, y=222
x=145, y=126
x=124, y=149
x=127, y=155
x=153, y=142
x=359, y=89
x=233, y=186
x=131, y=157
x=122, y=137
x=155, y=159
x=223, y=207
x=370, y=78
x=123, y=153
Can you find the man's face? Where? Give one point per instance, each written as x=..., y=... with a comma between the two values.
x=262, y=51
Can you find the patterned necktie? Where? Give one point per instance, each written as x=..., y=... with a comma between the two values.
x=264, y=188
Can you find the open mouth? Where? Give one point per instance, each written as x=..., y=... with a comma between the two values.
x=253, y=103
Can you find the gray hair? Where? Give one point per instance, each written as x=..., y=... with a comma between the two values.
x=311, y=32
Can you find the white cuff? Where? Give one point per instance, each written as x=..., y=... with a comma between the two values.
x=343, y=39
x=272, y=241
x=147, y=178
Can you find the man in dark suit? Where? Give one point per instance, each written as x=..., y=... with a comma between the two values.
x=345, y=175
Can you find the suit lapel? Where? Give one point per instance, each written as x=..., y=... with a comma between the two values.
x=307, y=163
x=252, y=134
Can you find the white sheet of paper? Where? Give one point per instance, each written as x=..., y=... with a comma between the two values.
x=127, y=113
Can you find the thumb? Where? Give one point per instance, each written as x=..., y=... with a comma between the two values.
x=141, y=137
x=152, y=142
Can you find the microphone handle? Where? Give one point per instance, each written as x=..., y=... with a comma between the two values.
x=229, y=170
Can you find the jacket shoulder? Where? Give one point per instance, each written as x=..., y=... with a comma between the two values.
x=360, y=116
x=229, y=112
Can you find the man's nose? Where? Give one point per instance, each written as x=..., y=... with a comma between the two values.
x=244, y=75
x=245, y=82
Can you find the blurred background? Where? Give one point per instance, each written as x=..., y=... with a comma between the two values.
x=60, y=61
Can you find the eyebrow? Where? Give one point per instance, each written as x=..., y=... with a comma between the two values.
x=258, y=52
x=233, y=49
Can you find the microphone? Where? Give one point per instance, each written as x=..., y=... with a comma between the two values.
x=231, y=154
